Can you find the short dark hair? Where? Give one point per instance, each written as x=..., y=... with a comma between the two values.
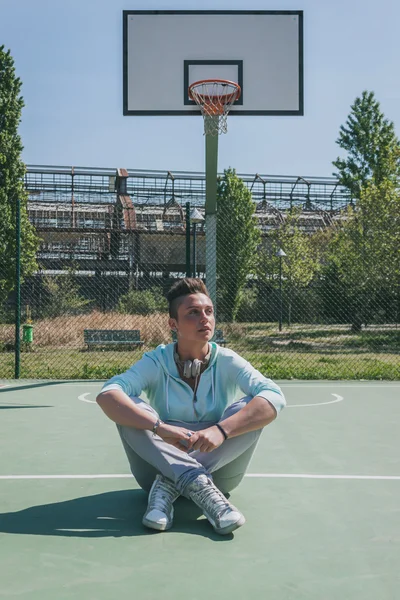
x=183, y=287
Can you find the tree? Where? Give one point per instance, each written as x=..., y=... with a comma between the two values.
x=237, y=241
x=143, y=302
x=301, y=263
x=372, y=146
x=63, y=295
x=11, y=181
x=365, y=251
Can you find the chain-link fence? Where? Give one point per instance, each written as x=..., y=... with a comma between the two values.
x=113, y=242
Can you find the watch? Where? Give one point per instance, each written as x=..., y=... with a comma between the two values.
x=156, y=426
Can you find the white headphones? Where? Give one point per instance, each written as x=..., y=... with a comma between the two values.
x=191, y=368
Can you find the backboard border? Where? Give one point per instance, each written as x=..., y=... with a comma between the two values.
x=183, y=113
x=189, y=62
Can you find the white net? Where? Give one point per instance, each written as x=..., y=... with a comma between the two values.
x=215, y=98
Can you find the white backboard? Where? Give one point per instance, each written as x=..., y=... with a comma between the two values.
x=165, y=51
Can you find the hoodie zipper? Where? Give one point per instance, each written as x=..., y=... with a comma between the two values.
x=194, y=397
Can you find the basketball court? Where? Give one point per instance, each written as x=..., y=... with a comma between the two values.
x=320, y=499
x=321, y=494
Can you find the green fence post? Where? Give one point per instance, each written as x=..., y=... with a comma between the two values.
x=17, y=287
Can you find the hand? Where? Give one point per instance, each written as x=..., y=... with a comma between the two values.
x=206, y=440
x=176, y=436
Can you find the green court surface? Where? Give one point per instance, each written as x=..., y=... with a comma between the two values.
x=321, y=500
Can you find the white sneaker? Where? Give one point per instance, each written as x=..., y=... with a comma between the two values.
x=160, y=512
x=223, y=516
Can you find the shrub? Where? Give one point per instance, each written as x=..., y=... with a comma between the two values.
x=249, y=309
x=63, y=296
x=144, y=302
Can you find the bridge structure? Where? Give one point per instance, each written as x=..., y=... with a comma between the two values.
x=115, y=219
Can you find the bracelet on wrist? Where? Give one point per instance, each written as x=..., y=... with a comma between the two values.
x=222, y=430
x=156, y=426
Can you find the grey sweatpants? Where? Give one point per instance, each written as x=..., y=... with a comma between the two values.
x=149, y=455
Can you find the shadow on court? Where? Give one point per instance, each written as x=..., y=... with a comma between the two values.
x=10, y=406
x=28, y=386
x=112, y=514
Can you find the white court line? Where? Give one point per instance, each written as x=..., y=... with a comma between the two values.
x=338, y=399
x=102, y=476
x=339, y=384
x=328, y=383
x=308, y=476
x=83, y=399
x=253, y=475
x=327, y=386
x=98, y=384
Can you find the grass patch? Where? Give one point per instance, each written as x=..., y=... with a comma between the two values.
x=70, y=364
x=301, y=352
x=319, y=339
x=311, y=366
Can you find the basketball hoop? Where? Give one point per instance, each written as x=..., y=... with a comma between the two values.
x=215, y=98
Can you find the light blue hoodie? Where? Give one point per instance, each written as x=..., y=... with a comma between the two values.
x=227, y=377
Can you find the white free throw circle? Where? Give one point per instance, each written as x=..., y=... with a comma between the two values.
x=337, y=399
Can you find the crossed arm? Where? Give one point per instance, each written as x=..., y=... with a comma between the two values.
x=255, y=415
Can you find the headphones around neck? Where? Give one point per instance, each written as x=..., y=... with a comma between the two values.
x=191, y=368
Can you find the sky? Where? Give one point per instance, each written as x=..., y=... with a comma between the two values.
x=68, y=54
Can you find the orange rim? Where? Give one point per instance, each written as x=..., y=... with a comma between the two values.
x=215, y=104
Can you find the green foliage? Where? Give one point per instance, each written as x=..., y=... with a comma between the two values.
x=261, y=303
x=237, y=242
x=7, y=315
x=144, y=302
x=11, y=181
x=63, y=296
x=364, y=253
x=299, y=267
x=249, y=307
x=373, y=150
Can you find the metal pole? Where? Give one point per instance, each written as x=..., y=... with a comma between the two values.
x=188, y=271
x=17, y=287
x=194, y=250
x=280, y=293
x=211, y=216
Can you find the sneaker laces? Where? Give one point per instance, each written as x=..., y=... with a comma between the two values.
x=213, y=500
x=163, y=495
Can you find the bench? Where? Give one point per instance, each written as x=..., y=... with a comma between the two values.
x=112, y=337
x=218, y=337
